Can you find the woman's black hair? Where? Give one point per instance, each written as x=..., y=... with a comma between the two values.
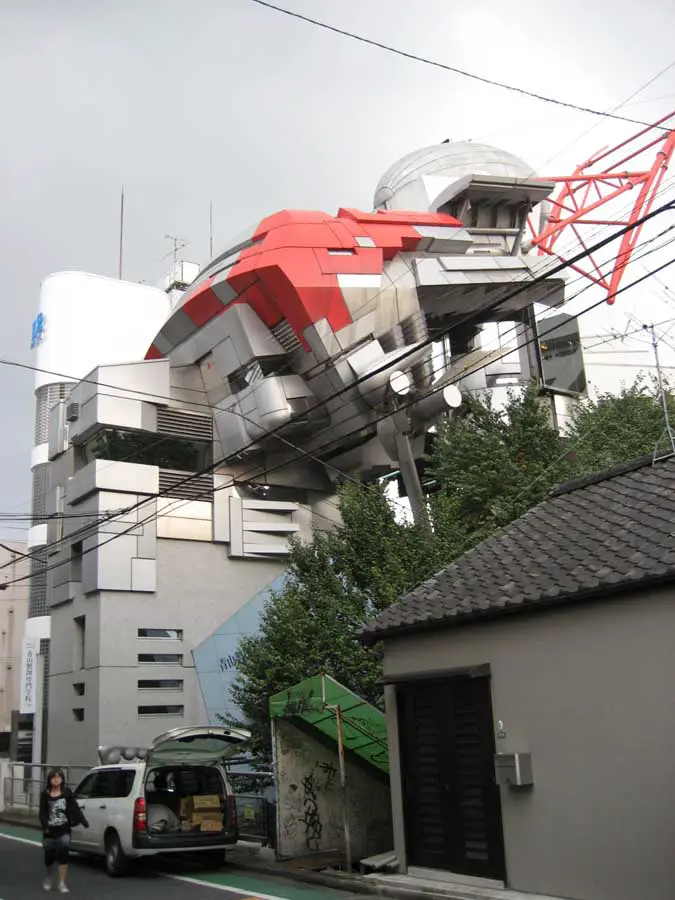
x=52, y=773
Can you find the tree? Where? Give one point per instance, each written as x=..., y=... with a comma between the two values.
x=616, y=429
x=493, y=465
x=336, y=582
x=490, y=467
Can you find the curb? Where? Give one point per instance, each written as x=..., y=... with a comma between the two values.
x=338, y=881
x=19, y=821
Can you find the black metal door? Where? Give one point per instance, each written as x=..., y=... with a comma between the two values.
x=451, y=801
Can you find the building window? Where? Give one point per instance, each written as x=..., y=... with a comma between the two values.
x=160, y=659
x=80, y=641
x=79, y=714
x=161, y=634
x=78, y=687
x=76, y=561
x=181, y=454
x=160, y=684
x=160, y=710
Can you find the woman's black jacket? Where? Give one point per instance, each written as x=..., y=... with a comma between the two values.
x=73, y=812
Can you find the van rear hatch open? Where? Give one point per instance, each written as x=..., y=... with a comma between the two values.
x=187, y=799
x=197, y=746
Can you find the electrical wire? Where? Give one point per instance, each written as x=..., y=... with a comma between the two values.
x=305, y=453
x=372, y=374
x=234, y=481
x=448, y=68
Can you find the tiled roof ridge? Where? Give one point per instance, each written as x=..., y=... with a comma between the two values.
x=592, y=537
x=612, y=472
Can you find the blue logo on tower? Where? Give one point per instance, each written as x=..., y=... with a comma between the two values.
x=38, y=330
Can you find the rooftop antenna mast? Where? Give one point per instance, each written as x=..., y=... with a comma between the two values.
x=210, y=230
x=662, y=392
x=178, y=245
x=668, y=430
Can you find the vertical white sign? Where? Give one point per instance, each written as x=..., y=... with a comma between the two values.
x=28, y=675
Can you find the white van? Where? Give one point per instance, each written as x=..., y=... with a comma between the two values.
x=178, y=800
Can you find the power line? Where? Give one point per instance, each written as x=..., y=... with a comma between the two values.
x=234, y=481
x=415, y=349
x=439, y=65
x=312, y=455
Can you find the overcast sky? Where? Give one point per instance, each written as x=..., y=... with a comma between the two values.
x=223, y=100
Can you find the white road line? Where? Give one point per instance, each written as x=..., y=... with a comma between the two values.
x=209, y=884
x=224, y=887
x=19, y=840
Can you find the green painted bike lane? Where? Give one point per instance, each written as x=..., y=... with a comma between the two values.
x=249, y=886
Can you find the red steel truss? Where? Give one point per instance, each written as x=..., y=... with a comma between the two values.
x=597, y=182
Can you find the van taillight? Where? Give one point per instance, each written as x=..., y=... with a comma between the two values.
x=140, y=815
x=232, y=807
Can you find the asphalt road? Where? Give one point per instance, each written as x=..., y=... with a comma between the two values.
x=22, y=873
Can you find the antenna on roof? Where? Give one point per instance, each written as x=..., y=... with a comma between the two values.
x=210, y=230
x=178, y=245
x=651, y=329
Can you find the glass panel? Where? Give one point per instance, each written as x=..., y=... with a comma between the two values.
x=161, y=710
x=169, y=634
x=167, y=659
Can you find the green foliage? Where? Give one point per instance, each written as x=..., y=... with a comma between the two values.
x=491, y=466
x=336, y=583
x=495, y=465
x=616, y=429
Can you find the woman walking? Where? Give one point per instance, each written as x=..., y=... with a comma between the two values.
x=59, y=813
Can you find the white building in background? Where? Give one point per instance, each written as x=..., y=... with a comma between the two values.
x=13, y=613
x=83, y=320
x=586, y=362
x=615, y=362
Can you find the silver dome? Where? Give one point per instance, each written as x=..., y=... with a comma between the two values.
x=452, y=161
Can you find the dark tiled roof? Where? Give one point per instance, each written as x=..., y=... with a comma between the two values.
x=590, y=537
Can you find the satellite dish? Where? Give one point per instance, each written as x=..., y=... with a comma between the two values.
x=452, y=396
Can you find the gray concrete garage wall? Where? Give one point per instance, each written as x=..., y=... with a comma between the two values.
x=588, y=690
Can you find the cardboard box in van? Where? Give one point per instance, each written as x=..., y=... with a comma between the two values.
x=191, y=805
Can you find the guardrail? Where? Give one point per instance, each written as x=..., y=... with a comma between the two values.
x=256, y=809
x=24, y=783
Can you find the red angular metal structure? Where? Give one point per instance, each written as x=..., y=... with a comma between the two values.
x=597, y=182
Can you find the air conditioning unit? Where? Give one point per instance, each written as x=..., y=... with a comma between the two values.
x=72, y=412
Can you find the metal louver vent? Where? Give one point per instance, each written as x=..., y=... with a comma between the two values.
x=72, y=412
x=37, y=595
x=179, y=423
x=286, y=337
x=45, y=398
x=175, y=484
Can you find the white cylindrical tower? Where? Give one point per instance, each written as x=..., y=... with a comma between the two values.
x=83, y=321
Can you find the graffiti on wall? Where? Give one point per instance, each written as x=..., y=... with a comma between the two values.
x=311, y=800
x=310, y=817
x=329, y=771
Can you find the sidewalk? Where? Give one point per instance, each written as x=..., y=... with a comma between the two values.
x=254, y=858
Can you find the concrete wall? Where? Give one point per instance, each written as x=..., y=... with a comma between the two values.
x=198, y=588
x=13, y=612
x=310, y=801
x=588, y=690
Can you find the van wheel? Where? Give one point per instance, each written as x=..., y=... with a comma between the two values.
x=115, y=860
